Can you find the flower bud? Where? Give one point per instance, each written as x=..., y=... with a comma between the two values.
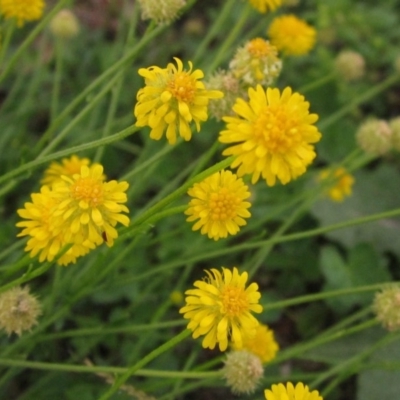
x=257, y=62
x=176, y=297
x=395, y=127
x=229, y=85
x=386, y=306
x=64, y=24
x=18, y=310
x=242, y=371
x=350, y=65
x=375, y=137
x=161, y=11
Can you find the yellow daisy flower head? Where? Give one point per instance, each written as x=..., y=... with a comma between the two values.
x=38, y=226
x=264, y=5
x=273, y=132
x=256, y=62
x=67, y=166
x=220, y=308
x=290, y=392
x=263, y=344
x=19, y=310
x=292, y=35
x=22, y=10
x=219, y=205
x=89, y=207
x=342, y=183
x=172, y=99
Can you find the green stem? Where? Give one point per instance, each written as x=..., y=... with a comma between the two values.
x=369, y=94
x=145, y=360
x=102, y=330
x=213, y=31
x=254, y=245
x=93, y=102
x=150, y=221
x=57, y=78
x=72, y=150
x=112, y=370
x=98, y=81
x=31, y=37
x=234, y=33
x=7, y=39
x=298, y=350
x=349, y=367
x=165, y=150
x=317, y=83
x=325, y=295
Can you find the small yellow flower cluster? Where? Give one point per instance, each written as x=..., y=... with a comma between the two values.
x=292, y=35
x=218, y=203
x=262, y=344
x=257, y=62
x=22, y=10
x=264, y=5
x=340, y=181
x=79, y=210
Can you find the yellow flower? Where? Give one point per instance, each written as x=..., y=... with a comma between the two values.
x=38, y=226
x=172, y=99
x=292, y=35
x=68, y=167
x=89, y=207
x=341, y=185
x=263, y=344
x=274, y=133
x=22, y=10
x=218, y=205
x=289, y=392
x=220, y=308
x=263, y=5
x=256, y=62
x=19, y=310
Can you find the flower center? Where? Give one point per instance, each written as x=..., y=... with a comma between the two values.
x=234, y=301
x=89, y=190
x=260, y=48
x=223, y=205
x=276, y=131
x=182, y=86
